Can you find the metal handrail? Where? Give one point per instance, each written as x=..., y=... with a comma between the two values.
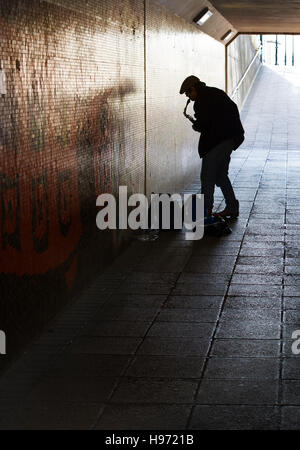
x=244, y=76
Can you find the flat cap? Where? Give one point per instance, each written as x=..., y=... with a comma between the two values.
x=188, y=83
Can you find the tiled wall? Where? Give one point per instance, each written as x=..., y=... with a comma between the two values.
x=174, y=51
x=92, y=100
x=71, y=127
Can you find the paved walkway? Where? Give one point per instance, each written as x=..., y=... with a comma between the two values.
x=187, y=335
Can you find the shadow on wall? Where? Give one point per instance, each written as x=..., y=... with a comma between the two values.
x=56, y=157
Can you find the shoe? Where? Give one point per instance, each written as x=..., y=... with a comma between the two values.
x=216, y=226
x=228, y=213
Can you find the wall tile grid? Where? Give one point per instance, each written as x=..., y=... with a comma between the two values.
x=72, y=126
x=174, y=51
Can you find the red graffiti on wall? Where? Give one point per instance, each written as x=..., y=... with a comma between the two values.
x=40, y=223
x=40, y=220
x=39, y=211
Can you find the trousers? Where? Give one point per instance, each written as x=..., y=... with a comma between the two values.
x=214, y=172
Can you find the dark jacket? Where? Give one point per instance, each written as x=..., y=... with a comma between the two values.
x=217, y=119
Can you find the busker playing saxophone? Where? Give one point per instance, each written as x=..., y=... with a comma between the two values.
x=217, y=119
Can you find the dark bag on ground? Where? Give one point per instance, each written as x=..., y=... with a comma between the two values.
x=213, y=226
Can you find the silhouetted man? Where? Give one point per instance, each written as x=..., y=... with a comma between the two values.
x=217, y=119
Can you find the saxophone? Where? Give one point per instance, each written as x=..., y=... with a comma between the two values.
x=191, y=119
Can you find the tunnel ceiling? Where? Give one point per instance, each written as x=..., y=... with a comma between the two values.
x=272, y=16
x=241, y=16
x=216, y=26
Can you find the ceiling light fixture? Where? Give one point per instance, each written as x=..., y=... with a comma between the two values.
x=227, y=35
x=203, y=17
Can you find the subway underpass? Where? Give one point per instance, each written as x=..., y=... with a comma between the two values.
x=188, y=335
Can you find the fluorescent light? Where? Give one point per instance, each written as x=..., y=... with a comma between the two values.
x=227, y=36
x=203, y=16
